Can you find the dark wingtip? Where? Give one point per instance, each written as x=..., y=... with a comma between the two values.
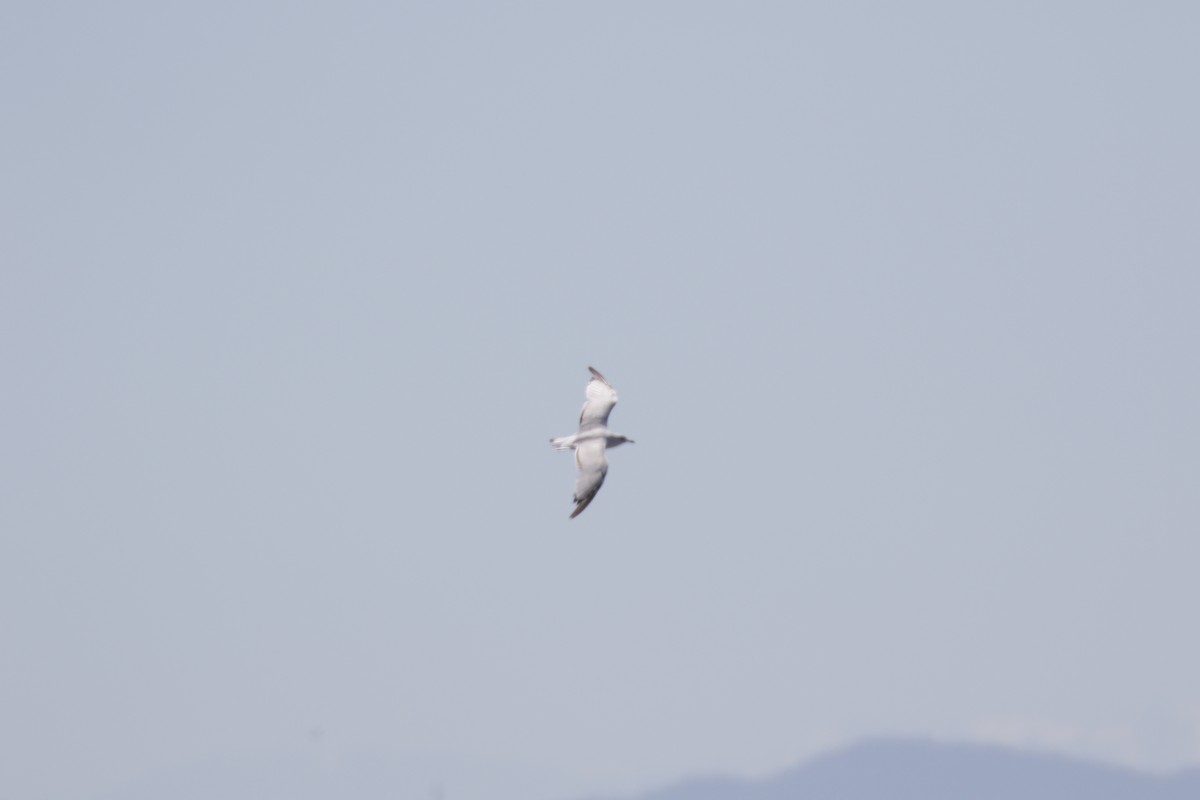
x=595, y=372
x=582, y=505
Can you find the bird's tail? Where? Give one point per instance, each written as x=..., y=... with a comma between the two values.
x=563, y=442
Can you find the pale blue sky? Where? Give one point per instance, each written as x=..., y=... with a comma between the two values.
x=902, y=301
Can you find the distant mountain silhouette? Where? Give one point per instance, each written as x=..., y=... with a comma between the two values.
x=876, y=770
x=909, y=770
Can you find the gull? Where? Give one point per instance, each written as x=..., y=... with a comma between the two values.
x=591, y=440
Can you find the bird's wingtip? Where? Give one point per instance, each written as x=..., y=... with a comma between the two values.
x=582, y=505
x=596, y=374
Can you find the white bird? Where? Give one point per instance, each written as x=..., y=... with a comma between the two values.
x=592, y=439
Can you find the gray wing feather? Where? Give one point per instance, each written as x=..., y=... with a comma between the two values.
x=601, y=397
x=593, y=466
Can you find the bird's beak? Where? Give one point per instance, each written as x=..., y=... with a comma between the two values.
x=631, y=441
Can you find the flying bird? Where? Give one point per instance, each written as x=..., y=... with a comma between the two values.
x=592, y=439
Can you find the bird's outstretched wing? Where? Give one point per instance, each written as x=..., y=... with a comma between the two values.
x=601, y=397
x=593, y=466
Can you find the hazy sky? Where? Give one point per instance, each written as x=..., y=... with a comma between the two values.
x=902, y=302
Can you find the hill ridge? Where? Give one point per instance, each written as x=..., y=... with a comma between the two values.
x=892, y=768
